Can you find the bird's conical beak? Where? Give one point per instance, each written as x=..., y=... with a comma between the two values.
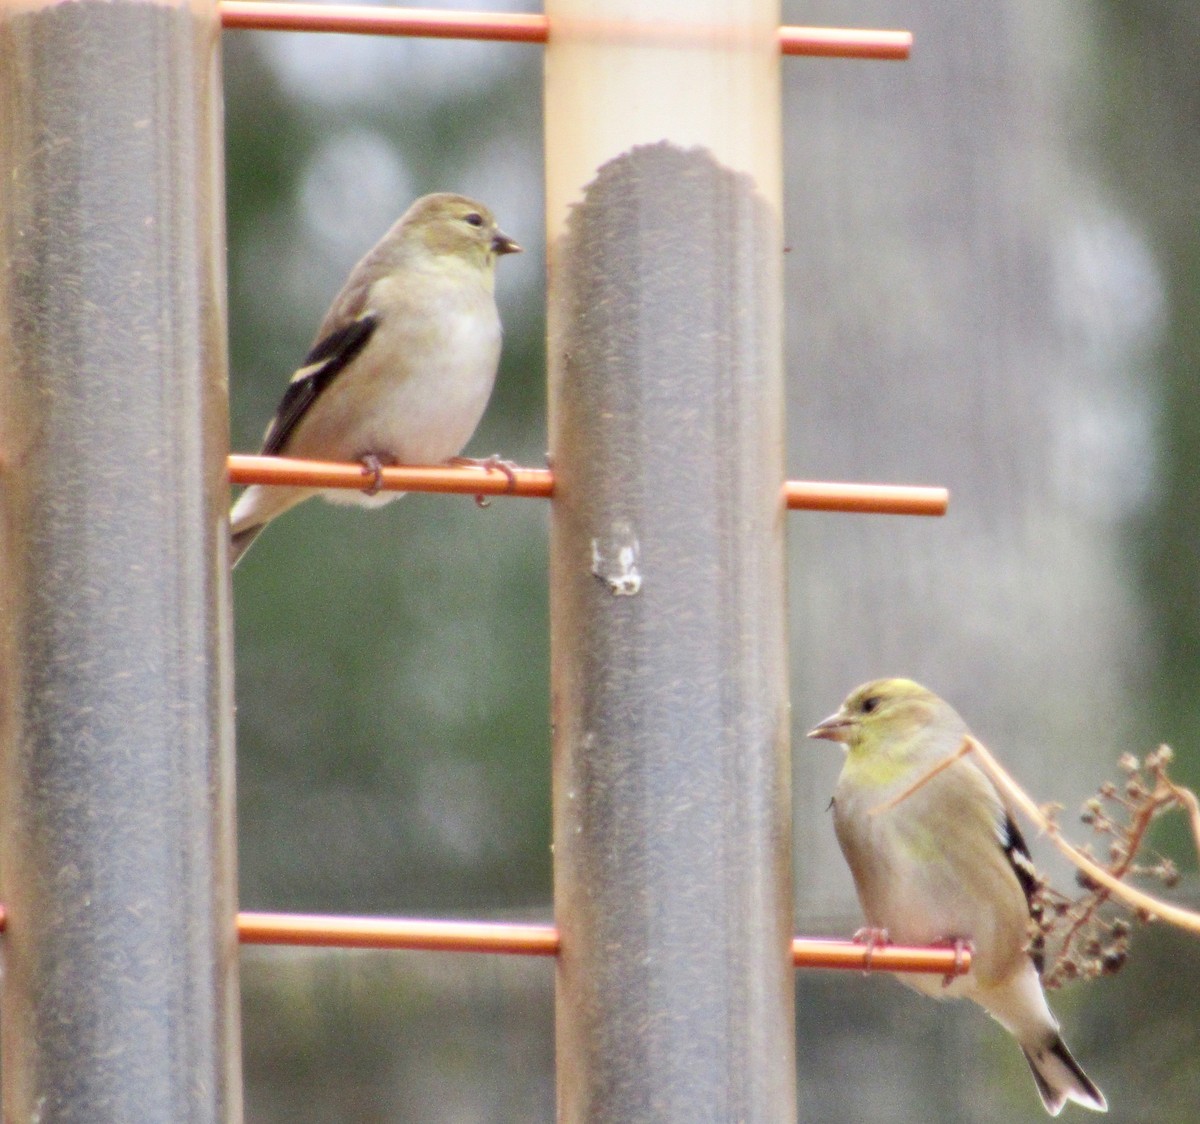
x=502, y=244
x=835, y=728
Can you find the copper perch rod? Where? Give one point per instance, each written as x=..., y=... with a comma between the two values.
x=323, y=931
x=517, y=27
x=542, y=940
x=538, y=483
x=878, y=499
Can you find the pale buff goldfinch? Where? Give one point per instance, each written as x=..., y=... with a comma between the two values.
x=403, y=363
x=945, y=863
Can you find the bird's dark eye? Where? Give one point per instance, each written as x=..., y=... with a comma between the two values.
x=870, y=704
x=474, y=218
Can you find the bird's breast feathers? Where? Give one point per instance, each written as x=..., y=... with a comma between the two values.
x=416, y=394
x=929, y=866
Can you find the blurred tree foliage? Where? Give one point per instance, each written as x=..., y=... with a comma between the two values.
x=992, y=286
x=392, y=667
x=1150, y=143
x=392, y=711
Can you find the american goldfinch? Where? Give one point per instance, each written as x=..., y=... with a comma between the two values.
x=403, y=363
x=940, y=860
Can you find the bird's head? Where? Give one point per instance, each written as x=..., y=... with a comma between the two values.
x=453, y=225
x=888, y=715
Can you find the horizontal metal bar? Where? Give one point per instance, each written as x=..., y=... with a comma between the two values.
x=538, y=483
x=542, y=940
x=869, y=499
x=393, y=933
x=325, y=931
x=518, y=27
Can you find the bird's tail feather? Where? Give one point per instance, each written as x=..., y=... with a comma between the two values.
x=239, y=542
x=254, y=509
x=1060, y=1079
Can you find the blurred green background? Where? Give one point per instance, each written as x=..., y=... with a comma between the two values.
x=993, y=285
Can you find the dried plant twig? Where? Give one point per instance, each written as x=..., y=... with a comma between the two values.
x=1088, y=936
x=1137, y=900
x=923, y=779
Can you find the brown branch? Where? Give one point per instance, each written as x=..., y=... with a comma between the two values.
x=923, y=779
x=1130, y=896
x=1132, y=835
x=1191, y=805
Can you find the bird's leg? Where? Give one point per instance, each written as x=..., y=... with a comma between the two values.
x=960, y=945
x=373, y=466
x=873, y=939
x=495, y=461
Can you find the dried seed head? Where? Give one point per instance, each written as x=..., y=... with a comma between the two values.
x=1050, y=810
x=1128, y=763
x=1161, y=757
x=1113, y=961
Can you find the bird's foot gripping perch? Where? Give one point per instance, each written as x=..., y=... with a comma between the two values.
x=960, y=947
x=495, y=461
x=873, y=939
x=373, y=466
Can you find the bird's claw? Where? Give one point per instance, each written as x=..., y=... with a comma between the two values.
x=873, y=939
x=495, y=461
x=960, y=946
x=373, y=467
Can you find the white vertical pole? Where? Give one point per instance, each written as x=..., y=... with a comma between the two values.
x=672, y=831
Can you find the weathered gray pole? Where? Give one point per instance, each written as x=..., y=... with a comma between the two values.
x=116, y=771
x=672, y=833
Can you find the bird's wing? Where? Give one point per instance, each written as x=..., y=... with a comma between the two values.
x=1017, y=852
x=329, y=356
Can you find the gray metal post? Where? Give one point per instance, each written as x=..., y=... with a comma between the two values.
x=671, y=776
x=116, y=826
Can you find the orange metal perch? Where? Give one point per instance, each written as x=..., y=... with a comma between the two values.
x=880, y=499
x=538, y=483
x=813, y=952
x=516, y=27
x=469, y=481
x=542, y=940
x=266, y=15
x=392, y=933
